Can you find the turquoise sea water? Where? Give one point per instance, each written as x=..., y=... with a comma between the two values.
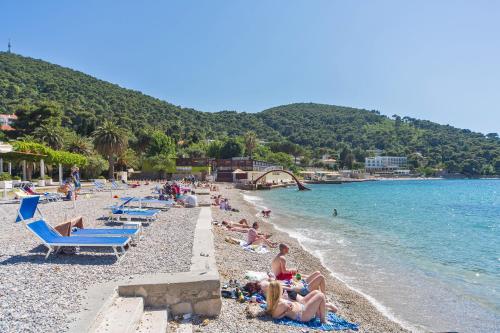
x=427, y=252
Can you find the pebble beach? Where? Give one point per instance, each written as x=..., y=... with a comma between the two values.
x=38, y=295
x=233, y=262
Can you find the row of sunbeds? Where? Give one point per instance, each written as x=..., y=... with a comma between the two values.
x=114, y=238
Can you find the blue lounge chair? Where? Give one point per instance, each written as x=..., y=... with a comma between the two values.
x=54, y=241
x=117, y=186
x=98, y=186
x=165, y=204
x=119, y=212
x=29, y=207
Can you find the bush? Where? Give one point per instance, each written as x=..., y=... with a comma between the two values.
x=5, y=176
x=94, y=167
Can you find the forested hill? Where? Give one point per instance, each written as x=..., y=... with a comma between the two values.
x=86, y=102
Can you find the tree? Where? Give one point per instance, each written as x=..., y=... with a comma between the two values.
x=52, y=136
x=94, y=167
x=162, y=162
x=79, y=145
x=346, y=158
x=197, y=150
x=110, y=140
x=44, y=113
x=160, y=143
x=214, y=149
x=128, y=159
x=471, y=167
x=250, y=142
x=231, y=148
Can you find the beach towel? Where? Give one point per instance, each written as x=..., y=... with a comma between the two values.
x=260, y=249
x=335, y=323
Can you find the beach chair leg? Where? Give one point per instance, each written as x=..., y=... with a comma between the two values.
x=48, y=253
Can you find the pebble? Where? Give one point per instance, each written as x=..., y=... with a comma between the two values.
x=42, y=294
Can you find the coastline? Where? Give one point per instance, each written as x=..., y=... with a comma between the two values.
x=233, y=262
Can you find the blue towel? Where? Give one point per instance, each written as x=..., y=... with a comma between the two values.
x=335, y=323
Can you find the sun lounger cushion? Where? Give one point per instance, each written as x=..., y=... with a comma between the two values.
x=105, y=232
x=133, y=212
x=42, y=230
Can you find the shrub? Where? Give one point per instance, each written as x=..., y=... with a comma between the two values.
x=5, y=176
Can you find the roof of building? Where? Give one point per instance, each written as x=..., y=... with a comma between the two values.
x=6, y=128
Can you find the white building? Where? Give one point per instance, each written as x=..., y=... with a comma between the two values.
x=385, y=163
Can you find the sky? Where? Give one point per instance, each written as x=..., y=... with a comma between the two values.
x=435, y=60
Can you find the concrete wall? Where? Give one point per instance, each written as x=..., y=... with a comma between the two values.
x=196, y=291
x=181, y=293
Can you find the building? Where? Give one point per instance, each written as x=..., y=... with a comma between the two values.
x=385, y=164
x=6, y=121
x=244, y=169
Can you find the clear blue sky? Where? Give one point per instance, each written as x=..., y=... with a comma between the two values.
x=436, y=60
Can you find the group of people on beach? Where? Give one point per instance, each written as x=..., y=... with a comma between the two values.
x=287, y=292
x=182, y=196
x=293, y=295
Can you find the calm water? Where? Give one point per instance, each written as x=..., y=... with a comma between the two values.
x=426, y=252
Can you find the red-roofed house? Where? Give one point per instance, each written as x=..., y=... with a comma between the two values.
x=6, y=121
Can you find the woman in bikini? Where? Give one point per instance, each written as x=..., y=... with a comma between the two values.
x=313, y=305
x=293, y=292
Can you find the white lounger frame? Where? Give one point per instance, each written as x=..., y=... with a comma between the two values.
x=56, y=247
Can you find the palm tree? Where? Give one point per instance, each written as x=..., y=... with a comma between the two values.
x=80, y=145
x=50, y=135
x=110, y=140
x=250, y=142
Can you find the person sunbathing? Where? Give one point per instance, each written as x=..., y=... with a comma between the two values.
x=314, y=281
x=253, y=237
x=240, y=227
x=313, y=305
x=243, y=223
x=293, y=292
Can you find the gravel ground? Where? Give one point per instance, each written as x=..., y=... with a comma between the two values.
x=38, y=295
x=233, y=262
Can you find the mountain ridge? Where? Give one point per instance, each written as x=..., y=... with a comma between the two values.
x=87, y=101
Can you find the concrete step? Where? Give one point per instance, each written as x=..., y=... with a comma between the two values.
x=123, y=316
x=153, y=321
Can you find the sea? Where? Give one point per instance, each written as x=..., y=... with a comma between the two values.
x=426, y=253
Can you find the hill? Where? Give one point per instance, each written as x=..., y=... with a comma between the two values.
x=86, y=102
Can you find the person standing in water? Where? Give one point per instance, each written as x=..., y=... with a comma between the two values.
x=334, y=212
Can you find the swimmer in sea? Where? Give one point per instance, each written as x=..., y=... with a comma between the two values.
x=334, y=212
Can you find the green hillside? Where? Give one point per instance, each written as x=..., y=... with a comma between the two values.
x=86, y=102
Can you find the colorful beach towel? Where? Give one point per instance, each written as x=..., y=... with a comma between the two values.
x=253, y=248
x=335, y=323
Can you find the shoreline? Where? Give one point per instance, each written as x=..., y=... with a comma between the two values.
x=379, y=306
x=233, y=262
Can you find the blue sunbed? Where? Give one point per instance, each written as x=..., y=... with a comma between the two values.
x=29, y=207
x=121, y=211
x=54, y=241
x=165, y=203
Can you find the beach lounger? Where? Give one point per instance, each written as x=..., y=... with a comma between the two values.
x=54, y=241
x=119, y=212
x=48, y=196
x=29, y=207
x=165, y=204
x=116, y=186
x=99, y=187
